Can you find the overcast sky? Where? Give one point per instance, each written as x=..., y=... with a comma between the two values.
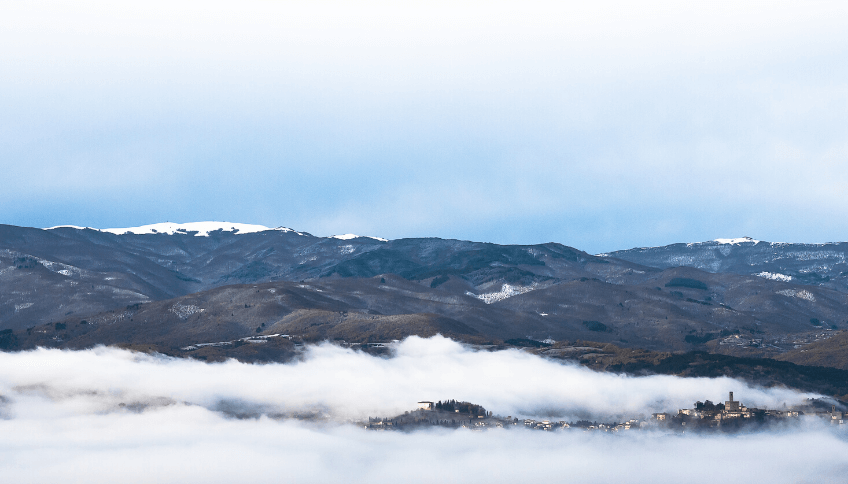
x=602, y=127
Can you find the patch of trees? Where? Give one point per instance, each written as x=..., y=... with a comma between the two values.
x=8, y=340
x=374, y=262
x=699, y=339
x=584, y=424
x=463, y=407
x=179, y=275
x=559, y=251
x=26, y=262
x=704, y=303
x=401, y=261
x=514, y=275
x=709, y=406
x=810, y=278
x=525, y=342
x=695, y=339
x=761, y=371
x=438, y=281
x=686, y=282
x=596, y=326
x=252, y=271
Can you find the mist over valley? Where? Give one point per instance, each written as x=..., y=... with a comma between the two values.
x=72, y=408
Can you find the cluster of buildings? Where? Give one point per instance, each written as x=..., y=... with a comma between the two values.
x=469, y=416
x=731, y=414
x=548, y=425
x=734, y=414
x=450, y=414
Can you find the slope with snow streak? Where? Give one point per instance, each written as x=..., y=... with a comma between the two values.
x=506, y=291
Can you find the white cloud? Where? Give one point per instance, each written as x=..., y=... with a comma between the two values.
x=347, y=384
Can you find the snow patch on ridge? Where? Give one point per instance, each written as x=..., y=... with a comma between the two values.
x=18, y=307
x=184, y=311
x=775, y=276
x=354, y=236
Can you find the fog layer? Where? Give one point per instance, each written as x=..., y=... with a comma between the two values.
x=107, y=415
x=346, y=384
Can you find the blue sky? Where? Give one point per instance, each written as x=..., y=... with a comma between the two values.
x=601, y=127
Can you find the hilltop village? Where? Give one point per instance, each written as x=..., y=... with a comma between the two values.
x=732, y=415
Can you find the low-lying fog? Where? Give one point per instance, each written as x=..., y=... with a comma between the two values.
x=107, y=415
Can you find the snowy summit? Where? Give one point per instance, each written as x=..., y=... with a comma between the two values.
x=202, y=229
x=740, y=240
x=354, y=236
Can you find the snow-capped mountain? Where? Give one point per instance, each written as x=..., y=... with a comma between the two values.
x=198, y=229
x=203, y=229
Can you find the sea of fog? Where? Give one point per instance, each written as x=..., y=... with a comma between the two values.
x=107, y=415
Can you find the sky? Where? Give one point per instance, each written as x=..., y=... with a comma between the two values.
x=62, y=419
x=603, y=126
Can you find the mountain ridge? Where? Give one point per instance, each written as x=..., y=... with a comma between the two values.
x=496, y=292
x=821, y=264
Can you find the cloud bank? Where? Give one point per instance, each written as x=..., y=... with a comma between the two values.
x=107, y=415
x=346, y=384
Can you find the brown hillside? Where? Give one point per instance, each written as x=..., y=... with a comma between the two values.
x=832, y=352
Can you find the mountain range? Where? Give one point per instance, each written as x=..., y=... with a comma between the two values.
x=175, y=286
